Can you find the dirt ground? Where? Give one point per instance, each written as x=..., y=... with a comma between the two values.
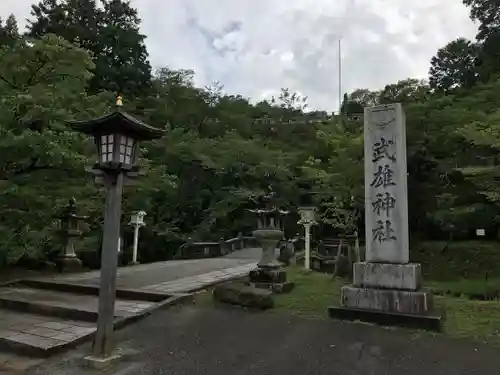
x=229, y=341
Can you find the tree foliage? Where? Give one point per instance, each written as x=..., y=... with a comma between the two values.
x=454, y=66
x=110, y=33
x=221, y=151
x=42, y=84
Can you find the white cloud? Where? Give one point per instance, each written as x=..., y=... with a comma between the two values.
x=255, y=47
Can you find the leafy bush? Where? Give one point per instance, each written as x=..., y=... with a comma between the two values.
x=458, y=260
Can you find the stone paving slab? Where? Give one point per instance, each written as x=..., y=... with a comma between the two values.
x=40, y=332
x=79, y=302
x=188, y=284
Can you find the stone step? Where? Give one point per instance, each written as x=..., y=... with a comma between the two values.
x=40, y=322
x=63, y=304
x=38, y=335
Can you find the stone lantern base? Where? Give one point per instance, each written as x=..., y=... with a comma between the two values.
x=69, y=264
x=273, y=279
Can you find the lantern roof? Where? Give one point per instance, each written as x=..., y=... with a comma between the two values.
x=117, y=122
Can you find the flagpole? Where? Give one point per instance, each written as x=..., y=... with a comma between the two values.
x=340, y=75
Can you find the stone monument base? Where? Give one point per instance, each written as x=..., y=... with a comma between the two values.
x=273, y=279
x=387, y=275
x=388, y=294
x=388, y=300
x=69, y=264
x=428, y=322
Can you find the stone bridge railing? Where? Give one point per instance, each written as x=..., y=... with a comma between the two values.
x=212, y=249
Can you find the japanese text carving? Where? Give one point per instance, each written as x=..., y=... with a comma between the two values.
x=383, y=148
x=383, y=231
x=384, y=176
x=384, y=203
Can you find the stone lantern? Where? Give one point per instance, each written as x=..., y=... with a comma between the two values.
x=116, y=136
x=307, y=219
x=136, y=221
x=269, y=273
x=70, y=231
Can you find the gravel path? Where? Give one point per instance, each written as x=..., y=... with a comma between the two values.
x=190, y=340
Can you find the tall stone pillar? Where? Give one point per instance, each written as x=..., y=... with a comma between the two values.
x=386, y=288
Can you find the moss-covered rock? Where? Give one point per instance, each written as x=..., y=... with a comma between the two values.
x=243, y=295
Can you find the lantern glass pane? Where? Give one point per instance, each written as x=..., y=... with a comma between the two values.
x=107, y=148
x=126, y=148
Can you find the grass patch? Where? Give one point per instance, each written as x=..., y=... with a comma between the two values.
x=314, y=292
x=203, y=297
x=476, y=320
x=458, y=259
x=473, y=289
x=312, y=295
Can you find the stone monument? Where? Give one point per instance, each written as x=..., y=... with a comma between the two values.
x=386, y=287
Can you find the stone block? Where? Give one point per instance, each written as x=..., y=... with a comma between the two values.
x=278, y=288
x=243, y=295
x=69, y=264
x=98, y=363
x=387, y=275
x=388, y=300
x=267, y=275
x=431, y=322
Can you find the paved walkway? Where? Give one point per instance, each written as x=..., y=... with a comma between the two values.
x=194, y=340
x=31, y=317
x=177, y=275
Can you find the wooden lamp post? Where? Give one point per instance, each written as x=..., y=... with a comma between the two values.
x=117, y=136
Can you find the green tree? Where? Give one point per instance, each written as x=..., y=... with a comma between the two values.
x=290, y=100
x=338, y=179
x=42, y=84
x=9, y=32
x=487, y=14
x=111, y=34
x=454, y=66
x=122, y=63
x=405, y=91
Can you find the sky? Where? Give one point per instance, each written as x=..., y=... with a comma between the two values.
x=256, y=47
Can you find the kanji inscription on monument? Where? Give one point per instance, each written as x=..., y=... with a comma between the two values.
x=386, y=199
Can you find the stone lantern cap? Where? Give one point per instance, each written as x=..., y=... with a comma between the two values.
x=70, y=219
x=268, y=215
x=70, y=212
x=137, y=218
x=268, y=206
x=307, y=214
